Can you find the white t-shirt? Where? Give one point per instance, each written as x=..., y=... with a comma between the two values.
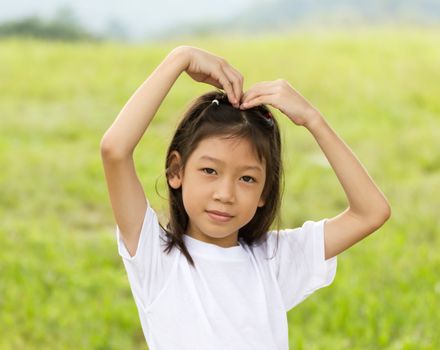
x=235, y=299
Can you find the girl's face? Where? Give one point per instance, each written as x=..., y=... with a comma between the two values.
x=222, y=175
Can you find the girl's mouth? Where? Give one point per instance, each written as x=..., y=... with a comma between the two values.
x=219, y=216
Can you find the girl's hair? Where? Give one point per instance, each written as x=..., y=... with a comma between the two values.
x=205, y=119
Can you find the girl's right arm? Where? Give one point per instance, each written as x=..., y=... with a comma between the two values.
x=118, y=143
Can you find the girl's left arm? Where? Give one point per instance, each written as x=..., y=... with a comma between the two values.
x=368, y=208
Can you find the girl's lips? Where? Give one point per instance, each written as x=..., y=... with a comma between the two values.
x=221, y=213
x=219, y=216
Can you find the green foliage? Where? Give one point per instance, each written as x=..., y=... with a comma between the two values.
x=63, y=284
x=34, y=27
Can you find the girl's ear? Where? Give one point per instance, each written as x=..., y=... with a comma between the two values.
x=175, y=174
x=261, y=202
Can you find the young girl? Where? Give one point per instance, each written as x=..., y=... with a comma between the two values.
x=216, y=277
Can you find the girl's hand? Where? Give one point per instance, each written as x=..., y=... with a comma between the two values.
x=281, y=95
x=210, y=69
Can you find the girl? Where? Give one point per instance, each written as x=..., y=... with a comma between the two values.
x=215, y=277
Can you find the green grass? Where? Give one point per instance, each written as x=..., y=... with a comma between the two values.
x=62, y=283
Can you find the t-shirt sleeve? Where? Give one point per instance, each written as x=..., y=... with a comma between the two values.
x=148, y=268
x=299, y=263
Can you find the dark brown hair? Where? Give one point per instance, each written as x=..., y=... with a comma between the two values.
x=205, y=118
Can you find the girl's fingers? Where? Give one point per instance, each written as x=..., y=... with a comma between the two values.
x=258, y=90
x=266, y=98
x=236, y=85
x=226, y=85
x=255, y=90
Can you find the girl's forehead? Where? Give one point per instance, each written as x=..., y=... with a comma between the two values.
x=226, y=149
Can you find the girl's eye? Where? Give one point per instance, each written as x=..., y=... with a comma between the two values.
x=208, y=169
x=251, y=179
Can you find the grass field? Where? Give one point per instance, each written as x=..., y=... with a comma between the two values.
x=62, y=282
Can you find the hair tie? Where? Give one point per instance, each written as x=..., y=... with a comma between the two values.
x=215, y=101
x=269, y=118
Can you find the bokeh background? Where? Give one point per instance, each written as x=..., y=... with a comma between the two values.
x=66, y=70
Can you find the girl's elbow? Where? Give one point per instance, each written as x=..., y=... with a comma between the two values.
x=381, y=216
x=387, y=212
x=113, y=151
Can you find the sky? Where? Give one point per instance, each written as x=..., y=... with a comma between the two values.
x=138, y=17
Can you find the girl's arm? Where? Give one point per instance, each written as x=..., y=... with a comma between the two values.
x=368, y=208
x=118, y=143
x=126, y=193
x=126, y=131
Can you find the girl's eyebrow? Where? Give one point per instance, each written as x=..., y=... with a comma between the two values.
x=244, y=167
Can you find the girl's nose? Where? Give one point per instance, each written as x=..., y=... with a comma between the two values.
x=225, y=191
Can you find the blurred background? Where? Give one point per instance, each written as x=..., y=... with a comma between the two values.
x=66, y=70
x=141, y=21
